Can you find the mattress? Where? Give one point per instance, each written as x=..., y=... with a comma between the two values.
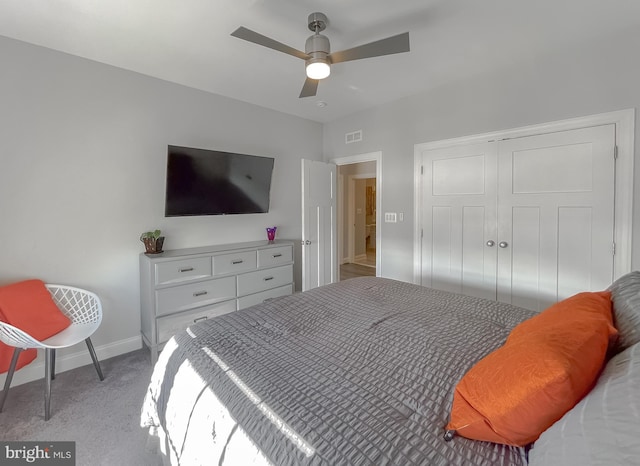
x=357, y=372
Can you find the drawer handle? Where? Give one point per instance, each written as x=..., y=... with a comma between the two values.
x=237, y=262
x=266, y=279
x=199, y=319
x=186, y=269
x=277, y=255
x=199, y=293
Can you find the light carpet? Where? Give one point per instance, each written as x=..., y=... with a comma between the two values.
x=103, y=418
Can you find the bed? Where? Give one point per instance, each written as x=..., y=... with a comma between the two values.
x=354, y=373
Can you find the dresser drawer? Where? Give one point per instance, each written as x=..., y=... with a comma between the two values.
x=182, y=270
x=275, y=256
x=261, y=280
x=234, y=263
x=257, y=298
x=188, y=296
x=170, y=325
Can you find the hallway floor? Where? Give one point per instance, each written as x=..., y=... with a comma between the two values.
x=366, y=268
x=370, y=260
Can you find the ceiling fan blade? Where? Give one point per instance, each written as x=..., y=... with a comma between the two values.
x=252, y=36
x=388, y=46
x=309, y=88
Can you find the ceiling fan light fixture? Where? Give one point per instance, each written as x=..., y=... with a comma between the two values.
x=317, y=55
x=318, y=68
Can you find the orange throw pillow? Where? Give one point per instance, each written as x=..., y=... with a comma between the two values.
x=547, y=364
x=28, y=305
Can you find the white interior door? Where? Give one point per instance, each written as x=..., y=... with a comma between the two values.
x=556, y=215
x=319, y=252
x=459, y=219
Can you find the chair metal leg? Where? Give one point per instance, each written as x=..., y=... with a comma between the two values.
x=53, y=364
x=7, y=382
x=47, y=383
x=96, y=363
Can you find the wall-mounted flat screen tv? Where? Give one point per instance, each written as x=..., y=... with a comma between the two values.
x=209, y=182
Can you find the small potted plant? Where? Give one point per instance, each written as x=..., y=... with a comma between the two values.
x=152, y=241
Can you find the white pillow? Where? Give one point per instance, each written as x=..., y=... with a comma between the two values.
x=603, y=429
x=625, y=295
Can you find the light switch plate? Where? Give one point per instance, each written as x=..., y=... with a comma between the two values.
x=390, y=217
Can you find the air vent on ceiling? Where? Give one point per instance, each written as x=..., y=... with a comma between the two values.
x=355, y=136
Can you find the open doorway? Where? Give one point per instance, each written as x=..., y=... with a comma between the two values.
x=358, y=207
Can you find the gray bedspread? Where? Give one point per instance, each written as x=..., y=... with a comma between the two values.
x=355, y=373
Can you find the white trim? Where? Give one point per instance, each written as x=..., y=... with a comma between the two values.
x=363, y=176
x=79, y=358
x=360, y=258
x=340, y=220
x=624, y=121
x=377, y=158
x=417, y=214
x=351, y=218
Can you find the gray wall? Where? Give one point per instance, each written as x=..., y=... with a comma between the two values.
x=82, y=173
x=594, y=78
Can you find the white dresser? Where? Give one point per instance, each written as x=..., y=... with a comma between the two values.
x=182, y=286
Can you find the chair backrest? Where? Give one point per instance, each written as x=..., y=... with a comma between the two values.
x=81, y=306
x=12, y=336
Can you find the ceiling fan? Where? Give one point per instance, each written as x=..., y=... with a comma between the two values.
x=317, y=55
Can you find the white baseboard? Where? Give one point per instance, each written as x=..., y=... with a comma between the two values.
x=66, y=362
x=360, y=258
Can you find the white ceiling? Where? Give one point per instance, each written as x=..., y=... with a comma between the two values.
x=189, y=42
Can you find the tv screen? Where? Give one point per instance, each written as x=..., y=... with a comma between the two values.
x=208, y=182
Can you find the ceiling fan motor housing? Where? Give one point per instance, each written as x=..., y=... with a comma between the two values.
x=317, y=43
x=317, y=22
x=317, y=47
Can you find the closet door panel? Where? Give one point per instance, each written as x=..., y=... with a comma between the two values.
x=575, y=237
x=445, y=275
x=525, y=256
x=565, y=168
x=569, y=177
x=459, y=217
x=478, y=263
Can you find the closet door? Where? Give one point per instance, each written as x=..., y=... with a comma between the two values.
x=459, y=219
x=555, y=216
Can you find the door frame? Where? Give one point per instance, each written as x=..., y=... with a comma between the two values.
x=624, y=121
x=366, y=157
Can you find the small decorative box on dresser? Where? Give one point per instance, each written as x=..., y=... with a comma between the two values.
x=182, y=286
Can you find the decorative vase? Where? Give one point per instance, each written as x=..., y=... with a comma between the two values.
x=271, y=234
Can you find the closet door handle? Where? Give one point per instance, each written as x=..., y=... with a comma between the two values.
x=503, y=244
x=491, y=243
